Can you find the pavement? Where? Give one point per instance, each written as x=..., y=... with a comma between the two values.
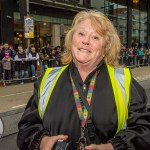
x=15, y=96
x=141, y=73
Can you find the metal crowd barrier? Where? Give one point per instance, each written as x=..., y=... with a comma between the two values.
x=20, y=71
x=135, y=61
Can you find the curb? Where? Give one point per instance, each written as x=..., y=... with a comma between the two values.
x=142, y=79
x=11, y=112
x=20, y=110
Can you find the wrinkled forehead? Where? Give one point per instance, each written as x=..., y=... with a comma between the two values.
x=96, y=24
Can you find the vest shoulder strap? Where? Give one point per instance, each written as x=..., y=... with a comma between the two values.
x=47, y=85
x=120, y=81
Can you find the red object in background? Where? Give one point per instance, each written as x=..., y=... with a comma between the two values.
x=7, y=54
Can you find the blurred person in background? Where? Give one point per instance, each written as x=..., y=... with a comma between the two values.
x=21, y=59
x=140, y=57
x=1, y=47
x=44, y=58
x=52, y=59
x=57, y=55
x=34, y=60
x=47, y=47
x=147, y=54
x=1, y=66
x=6, y=49
x=7, y=66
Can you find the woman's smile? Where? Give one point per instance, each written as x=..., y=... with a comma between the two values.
x=84, y=50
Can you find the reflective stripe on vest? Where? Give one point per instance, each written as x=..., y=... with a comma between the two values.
x=48, y=83
x=120, y=80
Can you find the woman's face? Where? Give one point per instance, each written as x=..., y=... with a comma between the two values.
x=87, y=45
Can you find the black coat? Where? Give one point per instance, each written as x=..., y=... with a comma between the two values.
x=61, y=115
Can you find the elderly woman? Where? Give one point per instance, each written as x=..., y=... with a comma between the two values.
x=91, y=102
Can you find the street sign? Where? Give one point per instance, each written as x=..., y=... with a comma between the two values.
x=29, y=35
x=28, y=21
x=28, y=27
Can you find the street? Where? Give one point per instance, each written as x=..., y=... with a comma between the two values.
x=15, y=96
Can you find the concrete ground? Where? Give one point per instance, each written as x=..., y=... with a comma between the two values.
x=15, y=96
x=141, y=73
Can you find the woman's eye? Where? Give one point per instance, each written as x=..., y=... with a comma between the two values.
x=80, y=33
x=96, y=37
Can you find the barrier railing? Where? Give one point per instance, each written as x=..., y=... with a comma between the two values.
x=19, y=71
x=135, y=61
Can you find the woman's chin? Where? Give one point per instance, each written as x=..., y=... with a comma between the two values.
x=82, y=62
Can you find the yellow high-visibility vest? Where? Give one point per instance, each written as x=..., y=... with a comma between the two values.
x=120, y=80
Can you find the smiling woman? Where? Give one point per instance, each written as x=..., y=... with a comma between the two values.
x=87, y=48
x=71, y=108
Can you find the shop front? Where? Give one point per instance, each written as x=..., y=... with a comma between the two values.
x=52, y=20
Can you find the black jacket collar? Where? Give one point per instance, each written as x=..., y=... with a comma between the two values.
x=75, y=73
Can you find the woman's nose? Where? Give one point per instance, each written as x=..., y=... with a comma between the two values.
x=86, y=40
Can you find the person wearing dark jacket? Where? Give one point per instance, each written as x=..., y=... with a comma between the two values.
x=34, y=59
x=44, y=58
x=6, y=49
x=91, y=102
x=21, y=59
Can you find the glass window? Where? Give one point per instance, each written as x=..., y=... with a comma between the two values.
x=98, y=4
x=87, y=3
x=109, y=8
x=101, y=6
x=135, y=23
x=42, y=29
x=139, y=23
x=122, y=20
x=116, y=10
x=143, y=23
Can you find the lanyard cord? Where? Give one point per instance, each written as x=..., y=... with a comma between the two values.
x=82, y=110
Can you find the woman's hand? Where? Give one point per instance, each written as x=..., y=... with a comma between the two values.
x=48, y=142
x=99, y=147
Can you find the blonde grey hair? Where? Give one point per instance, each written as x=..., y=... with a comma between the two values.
x=104, y=28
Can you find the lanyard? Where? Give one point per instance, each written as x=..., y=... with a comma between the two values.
x=82, y=110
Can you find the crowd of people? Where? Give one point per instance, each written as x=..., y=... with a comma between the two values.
x=137, y=56
x=26, y=61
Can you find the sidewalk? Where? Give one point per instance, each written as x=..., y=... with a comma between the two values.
x=141, y=73
x=16, y=96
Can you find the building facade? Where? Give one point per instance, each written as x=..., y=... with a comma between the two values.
x=52, y=19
